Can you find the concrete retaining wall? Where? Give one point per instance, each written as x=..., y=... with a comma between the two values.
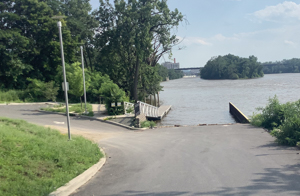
x=237, y=114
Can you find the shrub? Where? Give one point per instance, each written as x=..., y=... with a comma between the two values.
x=11, y=96
x=282, y=119
x=147, y=123
x=113, y=94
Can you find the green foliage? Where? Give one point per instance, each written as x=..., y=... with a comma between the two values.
x=11, y=96
x=36, y=160
x=284, y=66
x=73, y=108
x=42, y=91
x=29, y=45
x=147, y=123
x=163, y=72
x=112, y=94
x=97, y=79
x=135, y=34
x=232, y=67
x=282, y=119
x=175, y=74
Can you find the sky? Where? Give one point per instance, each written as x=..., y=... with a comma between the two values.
x=267, y=29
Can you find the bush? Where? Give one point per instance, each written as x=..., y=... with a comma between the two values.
x=282, y=119
x=113, y=94
x=11, y=96
x=42, y=91
x=147, y=123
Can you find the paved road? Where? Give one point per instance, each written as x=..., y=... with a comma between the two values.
x=210, y=160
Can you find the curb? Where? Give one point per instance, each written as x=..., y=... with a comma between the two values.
x=92, y=118
x=80, y=180
x=33, y=103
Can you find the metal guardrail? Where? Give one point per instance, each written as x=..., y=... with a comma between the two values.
x=148, y=110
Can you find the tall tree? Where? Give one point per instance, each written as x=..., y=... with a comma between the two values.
x=29, y=43
x=135, y=33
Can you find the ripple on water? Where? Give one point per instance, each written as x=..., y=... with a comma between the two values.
x=196, y=101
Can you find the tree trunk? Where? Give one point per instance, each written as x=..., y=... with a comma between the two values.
x=136, y=78
x=81, y=102
x=155, y=103
x=150, y=99
x=158, y=99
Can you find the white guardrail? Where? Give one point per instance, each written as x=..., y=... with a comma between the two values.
x=148, y=110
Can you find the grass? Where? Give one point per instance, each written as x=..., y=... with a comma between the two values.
x=76, y=108
x=109, y=118
x=35, y=160
x=147, y=123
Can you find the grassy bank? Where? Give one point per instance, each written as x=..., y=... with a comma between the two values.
x=76, y=108
x=36, y=161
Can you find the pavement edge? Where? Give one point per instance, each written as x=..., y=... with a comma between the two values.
x=93, y=118
x=80, y=180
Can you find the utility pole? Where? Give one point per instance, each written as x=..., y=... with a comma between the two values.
x=81, y=48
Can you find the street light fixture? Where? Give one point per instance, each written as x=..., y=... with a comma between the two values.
x=64, y=72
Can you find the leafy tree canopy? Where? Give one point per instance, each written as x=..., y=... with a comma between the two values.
x=232, y=67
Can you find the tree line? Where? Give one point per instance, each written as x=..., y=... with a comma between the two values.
x=284, y=66
x=122, y=43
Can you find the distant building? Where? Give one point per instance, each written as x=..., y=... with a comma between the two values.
x=170, y=65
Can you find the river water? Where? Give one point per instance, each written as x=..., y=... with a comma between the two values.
x=196, y=101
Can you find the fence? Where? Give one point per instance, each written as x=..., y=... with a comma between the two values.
x=148, y=110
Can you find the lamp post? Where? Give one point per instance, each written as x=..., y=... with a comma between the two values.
x=83, y=76
x=65, y=78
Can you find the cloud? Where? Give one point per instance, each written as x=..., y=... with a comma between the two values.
x=289, y=42
x=194, y=40
x=286, y=10
x=220, y=37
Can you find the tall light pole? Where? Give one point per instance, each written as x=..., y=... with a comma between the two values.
x=65, y=78
x=81, y=48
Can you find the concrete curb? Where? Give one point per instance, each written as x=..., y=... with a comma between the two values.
x=93, y=118
x=80, y=180
x=34, y=103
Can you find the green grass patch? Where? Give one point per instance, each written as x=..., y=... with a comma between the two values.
x=147, y=123
x=35, y=160
x=109, y=118
x=72, y=108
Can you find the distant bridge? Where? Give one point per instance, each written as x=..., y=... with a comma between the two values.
x=190, y=68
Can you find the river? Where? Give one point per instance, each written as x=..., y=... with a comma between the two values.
x=196, y=101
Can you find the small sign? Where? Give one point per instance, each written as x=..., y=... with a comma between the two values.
x=63, y=86
x=119, y=104
x=137, y=109
x=113, y=104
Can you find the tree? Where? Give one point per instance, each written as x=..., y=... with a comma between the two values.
x=232, y=67
x=75, y=79
x=29, y=43
x=134, y=34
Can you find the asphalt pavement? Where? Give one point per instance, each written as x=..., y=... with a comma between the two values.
x=202, y=160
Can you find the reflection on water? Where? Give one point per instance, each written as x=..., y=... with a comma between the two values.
x=196, y=101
